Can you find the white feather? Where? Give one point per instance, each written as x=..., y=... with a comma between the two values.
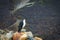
x=24, y=23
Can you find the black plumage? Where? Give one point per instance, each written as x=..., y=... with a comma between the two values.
x=20, y=26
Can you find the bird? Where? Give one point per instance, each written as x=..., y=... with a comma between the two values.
x=21, y=25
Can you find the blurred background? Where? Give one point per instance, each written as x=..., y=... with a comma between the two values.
x=43, y=18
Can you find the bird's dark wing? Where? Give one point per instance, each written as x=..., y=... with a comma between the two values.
x=20, y=26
